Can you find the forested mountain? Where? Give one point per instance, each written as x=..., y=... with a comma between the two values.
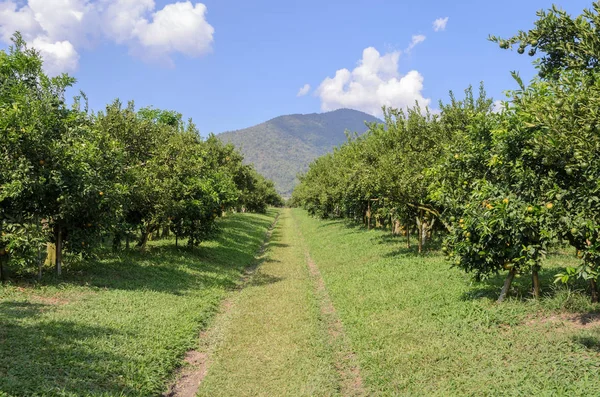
x=284, y=146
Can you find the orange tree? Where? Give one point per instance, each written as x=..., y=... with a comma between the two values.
x=560, y=112
x=58, y=176
x=537, y=180
x=494, y=194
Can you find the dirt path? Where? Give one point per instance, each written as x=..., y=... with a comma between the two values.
x=190, y=377
x=278, y=335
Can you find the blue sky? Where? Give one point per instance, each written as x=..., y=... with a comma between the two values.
x=239, y=63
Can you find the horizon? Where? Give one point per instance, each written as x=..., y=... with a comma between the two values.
x=298, y=114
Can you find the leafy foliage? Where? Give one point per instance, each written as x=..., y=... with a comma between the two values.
x=505, y=185
x=74, y=178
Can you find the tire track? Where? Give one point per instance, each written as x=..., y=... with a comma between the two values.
x=346, y=361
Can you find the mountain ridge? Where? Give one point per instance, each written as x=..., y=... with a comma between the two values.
x=284, y=146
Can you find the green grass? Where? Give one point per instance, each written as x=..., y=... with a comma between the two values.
x=272, y=341
x=120, y=325
x=420, y=327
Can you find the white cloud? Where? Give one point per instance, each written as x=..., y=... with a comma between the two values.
x=59, y=28
x=120, y=17
x=58, y=57
x=304, y=90
x=416, y=39
x=12, y=19
x=179, y=27
x=440, y=24
x=375, y=82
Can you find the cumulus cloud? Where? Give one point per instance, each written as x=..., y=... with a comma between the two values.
x=58, y=29
x=303, y=90
x=440, y=24
x=373, y=83
x=58, y=57
x=416, y=39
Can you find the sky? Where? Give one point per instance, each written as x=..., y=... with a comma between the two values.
x=234, y=64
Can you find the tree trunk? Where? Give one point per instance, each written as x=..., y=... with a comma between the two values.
x=59, y=244
x=594, y=289
x=116, y=246
x=420, y=235
x=369, y=215
x=424, y=231
x=536, y=283
x=144, y=239
x=39, y=262
x=507, y=283
x=192, y=238
x=396, y=227
x=2, y=271
x=165, y=232
x=39, y=251
x=407, y=235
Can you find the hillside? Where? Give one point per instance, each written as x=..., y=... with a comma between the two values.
x=284, y=146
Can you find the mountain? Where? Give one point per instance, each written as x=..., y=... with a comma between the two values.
x=284, y=146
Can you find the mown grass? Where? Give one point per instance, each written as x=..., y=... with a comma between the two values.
x=120, y=325
x=272, y=342
x=420, y=327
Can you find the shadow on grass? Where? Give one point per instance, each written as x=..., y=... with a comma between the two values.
x=50, y=357
x=590, y=340
x=260, y=279
x=432, y=247
x=395, y=246
x=521, y=287
x=166, y=268
x=280, y=245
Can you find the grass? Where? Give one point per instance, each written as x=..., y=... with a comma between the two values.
x=420, y=327
x=120, y=325
x=272, y=341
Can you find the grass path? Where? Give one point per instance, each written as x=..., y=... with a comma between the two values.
x=281, y=337
x=345, y=360
x=420, y=327
x=120, y=325
x=331, y=310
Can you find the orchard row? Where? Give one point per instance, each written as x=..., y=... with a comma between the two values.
x=503, y=185
x=74, y=178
